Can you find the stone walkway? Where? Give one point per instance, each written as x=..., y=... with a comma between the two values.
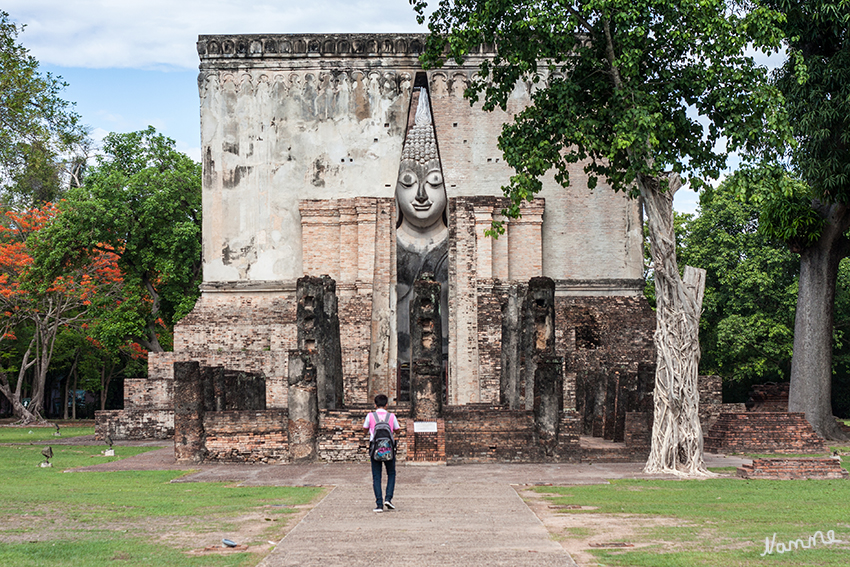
x=445, y=524
x=458, y=515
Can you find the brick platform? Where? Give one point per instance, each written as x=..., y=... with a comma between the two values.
x=794, y=469
x=763, y=432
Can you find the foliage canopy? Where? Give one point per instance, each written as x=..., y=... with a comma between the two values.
x=38, y=129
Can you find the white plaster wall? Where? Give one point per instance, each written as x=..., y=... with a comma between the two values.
x=278, y=130
x=271, y=138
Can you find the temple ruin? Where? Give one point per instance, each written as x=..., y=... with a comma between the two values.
x=346, y=192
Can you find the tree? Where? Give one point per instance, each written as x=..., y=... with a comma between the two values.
x=746, y=330
x=623, y=88
x=39, y=132
x=814, y=217
x=142, y=200
x=47, y=304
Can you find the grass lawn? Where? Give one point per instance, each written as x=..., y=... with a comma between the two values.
x=33, y=434
x=719, y=522
x=128, y=518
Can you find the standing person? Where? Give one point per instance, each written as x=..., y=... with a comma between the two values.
x=384, y=420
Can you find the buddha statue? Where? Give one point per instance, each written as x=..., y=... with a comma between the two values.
x=421, y=232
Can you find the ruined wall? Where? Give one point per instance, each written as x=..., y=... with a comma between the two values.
x=134, y=424
x=343, y=439
x=247, y=436
x=610, y=358
x=490, y=434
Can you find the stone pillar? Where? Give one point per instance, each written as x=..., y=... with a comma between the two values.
x=538, y=329
x=303, y=425
x=509, y=380
x=189, y=436
x=317, y=321
x=548, y=400
x=426, y=350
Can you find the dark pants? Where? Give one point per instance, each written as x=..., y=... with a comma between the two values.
x=376, y=481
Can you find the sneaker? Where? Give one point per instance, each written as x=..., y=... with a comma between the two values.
x=389, y=505
x=378, y=510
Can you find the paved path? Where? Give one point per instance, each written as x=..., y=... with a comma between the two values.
x=446, y=524
x=446, y=516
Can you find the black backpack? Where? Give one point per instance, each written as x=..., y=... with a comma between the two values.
x=383, y=445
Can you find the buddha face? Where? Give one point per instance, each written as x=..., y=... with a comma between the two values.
x=420, y=194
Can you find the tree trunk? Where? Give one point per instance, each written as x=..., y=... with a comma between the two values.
x=105, y=380
x=19, y=411
x=811, y=365
x=68, y=383
x=74, y=403
x=677, y=445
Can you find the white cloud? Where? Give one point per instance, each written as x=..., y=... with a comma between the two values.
x=158, y=34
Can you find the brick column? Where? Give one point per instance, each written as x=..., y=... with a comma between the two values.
x=464, y=387
x=349, y=253
x=303, y=424
x=320, y=238
x=189, y=436
x=484, y=244
x=525, y=246
x=501, y=248
x=426, y=350
x=509, y=380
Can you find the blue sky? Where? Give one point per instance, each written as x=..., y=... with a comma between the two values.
x=132, y=63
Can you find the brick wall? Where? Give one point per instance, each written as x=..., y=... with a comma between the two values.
x=763, y=432
x=343, y=439
x=638, y=431
x=239, y=320
x=488, y=435
x=247, y=436
x=134, y=424
x=771, y=396
x=794, y=469
x=710, y=400
x=149, y=393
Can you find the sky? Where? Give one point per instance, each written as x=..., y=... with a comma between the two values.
x=131, y=63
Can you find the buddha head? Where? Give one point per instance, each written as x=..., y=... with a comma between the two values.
x=420, y=192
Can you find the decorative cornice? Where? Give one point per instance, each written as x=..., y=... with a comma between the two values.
x=309, y=45
x=297, y=46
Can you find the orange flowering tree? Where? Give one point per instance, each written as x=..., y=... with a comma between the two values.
x=45, y=305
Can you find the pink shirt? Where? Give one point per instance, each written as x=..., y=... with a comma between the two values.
x=370, y=421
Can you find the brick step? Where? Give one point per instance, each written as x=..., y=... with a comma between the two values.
x=596, y=456
x=794, y=469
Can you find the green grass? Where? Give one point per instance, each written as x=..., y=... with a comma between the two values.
x=720, y=522
x=129, y=518
x=33, y=434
